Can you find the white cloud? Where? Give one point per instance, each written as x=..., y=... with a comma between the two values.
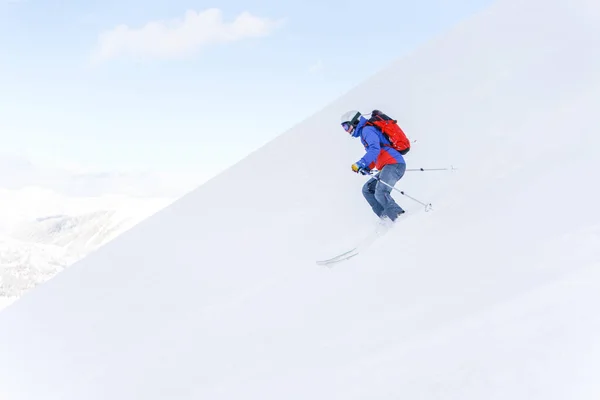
x=316, y=67
x=180, y=37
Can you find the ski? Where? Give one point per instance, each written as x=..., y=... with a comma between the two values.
x=339, y=258
x=379, y=231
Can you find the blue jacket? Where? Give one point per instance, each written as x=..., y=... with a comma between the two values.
x=378, y=154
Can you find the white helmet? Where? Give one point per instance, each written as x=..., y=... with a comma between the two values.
x=351, y=116
x=350, y=119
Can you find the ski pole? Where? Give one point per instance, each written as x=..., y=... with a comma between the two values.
x=428, y=207
x=432, y=169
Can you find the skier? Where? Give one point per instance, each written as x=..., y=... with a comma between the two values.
x=380, y=155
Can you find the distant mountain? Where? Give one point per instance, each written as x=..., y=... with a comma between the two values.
x=45, y=232
x=31, y=203
x=53, y=217
x=18, y=172
x=76, y=234
x=24, y=265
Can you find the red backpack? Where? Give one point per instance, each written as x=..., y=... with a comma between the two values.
x=390, y=129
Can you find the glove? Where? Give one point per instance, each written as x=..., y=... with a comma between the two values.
x=360, y=168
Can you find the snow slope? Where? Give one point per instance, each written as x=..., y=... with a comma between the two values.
x=492, y=295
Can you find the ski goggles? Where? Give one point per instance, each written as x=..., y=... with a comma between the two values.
x=347, y=127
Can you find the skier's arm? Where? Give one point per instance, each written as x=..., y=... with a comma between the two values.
x=373, y=146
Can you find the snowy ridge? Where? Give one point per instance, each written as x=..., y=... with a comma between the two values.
x=493, y=295
x=76, y=234
x=36, y=252
x=30, y=203
x=25, y=265
x=35, y=248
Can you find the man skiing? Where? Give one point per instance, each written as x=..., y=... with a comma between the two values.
x=380, y=155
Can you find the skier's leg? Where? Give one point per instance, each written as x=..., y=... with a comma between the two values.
x=368, y=191
x=390, y=174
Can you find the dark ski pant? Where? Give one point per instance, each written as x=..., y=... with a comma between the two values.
x=379, y=195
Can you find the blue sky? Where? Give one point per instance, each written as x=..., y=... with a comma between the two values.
x=165, y=100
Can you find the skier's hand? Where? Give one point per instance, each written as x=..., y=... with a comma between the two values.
x=359, y=168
